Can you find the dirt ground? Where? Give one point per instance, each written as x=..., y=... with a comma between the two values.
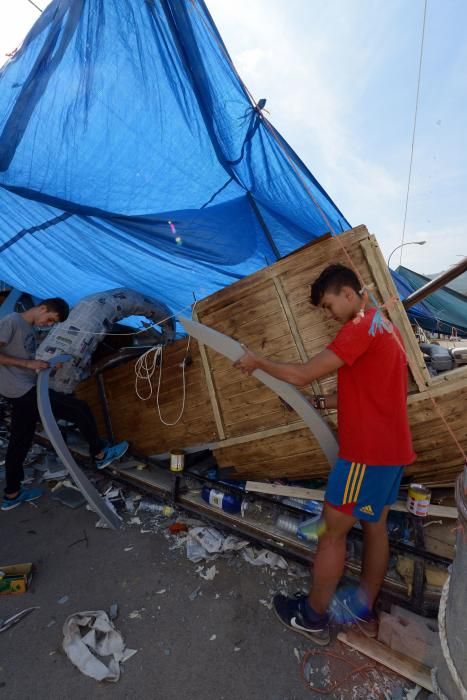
x=211, y=639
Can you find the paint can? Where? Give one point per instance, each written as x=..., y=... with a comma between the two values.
x=177, y=460
x=418, y=500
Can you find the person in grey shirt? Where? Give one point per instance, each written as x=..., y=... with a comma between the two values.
x=18, y=376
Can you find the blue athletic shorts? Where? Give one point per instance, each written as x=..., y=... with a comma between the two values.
x=362, y=490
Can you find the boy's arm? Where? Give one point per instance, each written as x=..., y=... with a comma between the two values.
x=8, y=360
x=301, y=374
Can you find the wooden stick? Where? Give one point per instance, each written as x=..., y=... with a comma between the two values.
x=401, y=664
x=318, y=495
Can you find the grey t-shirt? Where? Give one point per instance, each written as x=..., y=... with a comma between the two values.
x=17, y=339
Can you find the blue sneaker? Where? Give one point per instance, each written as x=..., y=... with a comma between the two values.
x=112, y=453
x=293, y=614
x=24, y=496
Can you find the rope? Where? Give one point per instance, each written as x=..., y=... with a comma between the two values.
x=356, y=669
x=414, y=129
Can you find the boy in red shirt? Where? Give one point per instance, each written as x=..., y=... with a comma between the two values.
x=374, y=445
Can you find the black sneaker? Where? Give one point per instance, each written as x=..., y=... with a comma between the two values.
x=292, y=613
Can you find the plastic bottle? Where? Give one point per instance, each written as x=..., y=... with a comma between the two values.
x=307, y=504
x=288, y=523
x=153, y=507
x=224, y=501
x=259, y=511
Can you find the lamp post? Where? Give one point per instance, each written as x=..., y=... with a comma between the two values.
x=404, y=244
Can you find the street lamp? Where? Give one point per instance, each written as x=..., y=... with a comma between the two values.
x=402, y=245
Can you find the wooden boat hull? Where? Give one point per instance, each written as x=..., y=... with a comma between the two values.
x=243, y=421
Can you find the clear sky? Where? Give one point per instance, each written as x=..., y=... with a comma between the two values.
x=340, y=78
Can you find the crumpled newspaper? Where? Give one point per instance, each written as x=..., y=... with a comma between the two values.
x=101, y=638
x=207, y=542
x=264, y=557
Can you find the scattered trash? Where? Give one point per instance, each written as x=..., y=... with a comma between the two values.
x=194, y=594
x=267, y=604
x=135, y=521
x=163, y=590
x=209, y=574
x=136, y=614
x=148, y=506
x=206, y=542
x=264, y=557
x=15, y=578
x=100, y=638
x=128, y=549
x=212, y=637
x=14, y=619
x=64, y=599
x=69, y=496
x=176, y=528
x=52, y=623
x=113, y=611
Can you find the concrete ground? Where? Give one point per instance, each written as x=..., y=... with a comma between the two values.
x=219, y=642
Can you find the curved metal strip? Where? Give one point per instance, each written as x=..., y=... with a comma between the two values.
x=96, y=502
x=233, y=351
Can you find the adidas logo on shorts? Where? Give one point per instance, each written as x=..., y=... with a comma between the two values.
x=367, y=509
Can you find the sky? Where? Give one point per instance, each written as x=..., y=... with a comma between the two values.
x=340, y=79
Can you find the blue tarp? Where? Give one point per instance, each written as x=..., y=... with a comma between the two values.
x=444, y=310
x=131, y=155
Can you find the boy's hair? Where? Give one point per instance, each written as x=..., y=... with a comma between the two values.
x=58, y=306
x=332, y=279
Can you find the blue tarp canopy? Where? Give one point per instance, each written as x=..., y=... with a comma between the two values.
x=132, y=155
x=444, y=310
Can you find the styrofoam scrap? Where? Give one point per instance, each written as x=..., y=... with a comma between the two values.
x=128, y=549
x=162, y=590
x=210, y=573
x=212, y=637
x=413, y=693
x=267, y=604
x=237, y=648
x=135, y=521
x=101, y=639
x=297, y=654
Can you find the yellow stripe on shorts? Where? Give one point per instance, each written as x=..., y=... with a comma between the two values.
x=356, y=474
x=349, y=479
x=359, y=484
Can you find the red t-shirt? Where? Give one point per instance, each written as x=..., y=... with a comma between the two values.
x=372, y=416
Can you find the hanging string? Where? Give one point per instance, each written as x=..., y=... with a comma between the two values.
x=413, y=131
x=34, y=5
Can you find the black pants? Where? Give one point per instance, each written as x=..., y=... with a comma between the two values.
x=24, y=417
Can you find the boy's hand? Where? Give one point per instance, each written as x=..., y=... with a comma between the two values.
x=248, y=362
x=36, y=364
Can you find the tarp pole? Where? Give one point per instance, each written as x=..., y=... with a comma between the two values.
x=436, y=283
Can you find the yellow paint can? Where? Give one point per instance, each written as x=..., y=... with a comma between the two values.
x=418, y=500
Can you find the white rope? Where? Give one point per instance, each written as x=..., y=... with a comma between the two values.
x=445, y=648
x=144, y=372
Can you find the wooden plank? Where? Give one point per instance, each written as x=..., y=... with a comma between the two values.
x=210, y=386
x=318, y=495
x=401, y=664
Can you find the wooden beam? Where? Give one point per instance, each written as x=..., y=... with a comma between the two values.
x=211, y=389
x=401, y=664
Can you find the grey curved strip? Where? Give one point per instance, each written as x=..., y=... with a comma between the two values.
x=233, y=351
x=96, y=502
